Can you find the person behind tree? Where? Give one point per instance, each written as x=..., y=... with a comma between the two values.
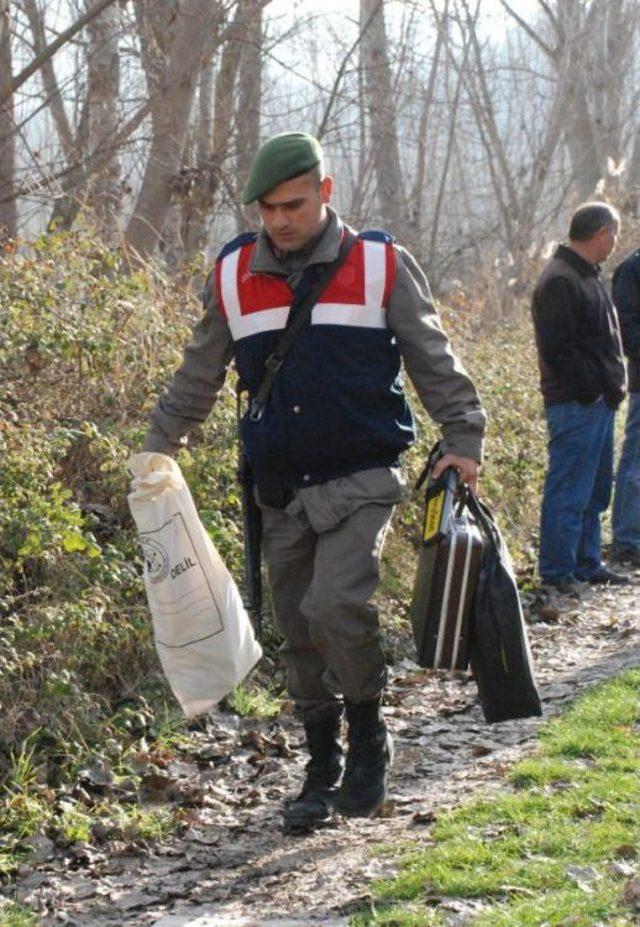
x=583, y=382
x=325, y=452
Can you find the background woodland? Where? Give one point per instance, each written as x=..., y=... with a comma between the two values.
x=467, y=128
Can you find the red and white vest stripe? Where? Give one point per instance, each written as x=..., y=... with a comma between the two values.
x=357, y=296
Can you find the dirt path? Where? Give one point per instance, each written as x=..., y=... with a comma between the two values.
x=232, y=866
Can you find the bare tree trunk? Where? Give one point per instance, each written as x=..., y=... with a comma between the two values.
x=183, y=199
x=580, y=139
x=518, y=201
x=613, y=34
x=249, y=98
x=67, y=205
x=333, y=94
x=574, y=26
x=50, y=82
x=453, y=116
x=417, y=194
x=204, y=138
x=8, y=207
x=572, y=23
x=73, y=146
x=215, y=131
x=358, y=190
x=103, y=95
x=173, y=98
x=40, y=58
x=91, y=147
x=382, y=108
x=191, y=203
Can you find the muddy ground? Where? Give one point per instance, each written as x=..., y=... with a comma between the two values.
x=232, y=866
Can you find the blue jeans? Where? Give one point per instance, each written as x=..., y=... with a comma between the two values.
x=626, y=500
x=577, y=489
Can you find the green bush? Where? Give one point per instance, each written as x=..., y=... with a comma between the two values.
x=84, y=349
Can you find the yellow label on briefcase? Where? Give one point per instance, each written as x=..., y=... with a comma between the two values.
x=433, y=516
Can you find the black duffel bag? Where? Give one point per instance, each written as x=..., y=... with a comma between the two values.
x=498, y=646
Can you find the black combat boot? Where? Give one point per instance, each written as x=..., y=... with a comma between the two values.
x=366, y=780
x=315, y=805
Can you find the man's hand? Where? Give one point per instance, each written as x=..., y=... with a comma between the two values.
x=466, y=467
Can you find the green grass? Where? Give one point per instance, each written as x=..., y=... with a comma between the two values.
x=255, y=701
x=574, y=804
x=14, y=915
x=27, y=815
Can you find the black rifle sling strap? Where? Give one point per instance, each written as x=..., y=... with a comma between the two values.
x=299, y=315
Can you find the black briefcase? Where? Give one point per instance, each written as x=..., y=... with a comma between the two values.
x=446, y=578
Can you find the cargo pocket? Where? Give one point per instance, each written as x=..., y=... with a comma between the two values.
x=329, y=504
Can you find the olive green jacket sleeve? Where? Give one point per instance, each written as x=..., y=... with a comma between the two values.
x=194, y=389
x=442, y=384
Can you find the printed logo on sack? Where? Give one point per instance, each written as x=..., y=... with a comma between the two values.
x=156, y=560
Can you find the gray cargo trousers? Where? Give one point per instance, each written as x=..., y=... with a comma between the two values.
x=323, y=556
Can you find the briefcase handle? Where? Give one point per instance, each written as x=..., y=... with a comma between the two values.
x=483, y=516
x=436, y=452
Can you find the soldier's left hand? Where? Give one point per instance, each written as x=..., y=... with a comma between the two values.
x=467, y=469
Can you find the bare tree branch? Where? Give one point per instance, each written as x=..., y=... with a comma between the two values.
x=49, y=80
x=550, y=52
x=24, y=75
x=322, y=127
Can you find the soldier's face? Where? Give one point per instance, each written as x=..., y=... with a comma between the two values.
x=295, y=211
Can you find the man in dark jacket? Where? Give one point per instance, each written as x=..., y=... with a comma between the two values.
x=326, y=447
x=583, y=382
x=626, y=501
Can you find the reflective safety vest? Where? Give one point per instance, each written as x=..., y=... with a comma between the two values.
x=337, y=404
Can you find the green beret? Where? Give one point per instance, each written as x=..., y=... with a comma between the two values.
x=281, y=158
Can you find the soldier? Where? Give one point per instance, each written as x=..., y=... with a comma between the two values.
x=325, y=450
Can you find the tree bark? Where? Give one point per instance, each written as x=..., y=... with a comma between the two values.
x=215, y=130
x=67, y=205
x=572, y=23
x=10, y=87
x=382, y=120
x=49, y=80
x=417, y=194
x=517, y=201
x=72, y=144
x=173, y=99
x=224, y=90
x=453, y=117
x=8, y=206
x=192, y=199
x=248, y=103
x=103, y=94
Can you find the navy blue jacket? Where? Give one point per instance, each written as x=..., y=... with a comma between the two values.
x=336, y=380
x=626, y=296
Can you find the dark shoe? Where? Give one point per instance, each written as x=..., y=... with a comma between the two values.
x=565, y=585
x=315, y=805
x=605, y=577
x=626, y=556
x=365, y=785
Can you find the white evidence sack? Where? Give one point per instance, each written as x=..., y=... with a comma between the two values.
x=203, y=634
